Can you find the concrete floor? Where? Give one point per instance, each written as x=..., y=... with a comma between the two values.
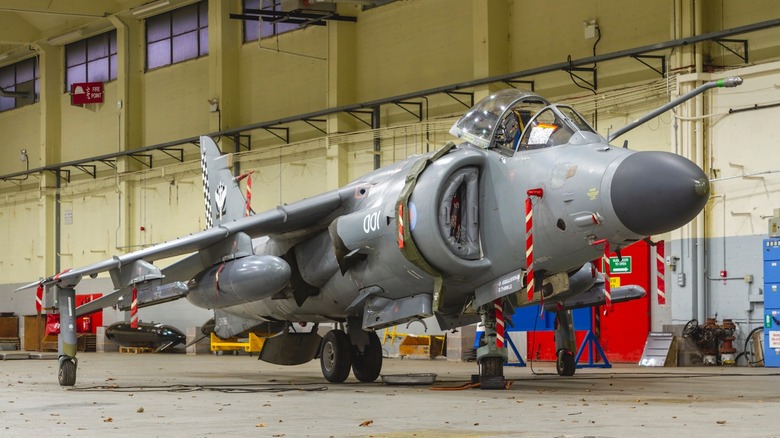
x=173, y=395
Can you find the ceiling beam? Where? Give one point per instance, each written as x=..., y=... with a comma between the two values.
x=64, y=8
x=16, y=30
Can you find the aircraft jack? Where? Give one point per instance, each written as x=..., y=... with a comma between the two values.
x=590, y=342
x=490, y=356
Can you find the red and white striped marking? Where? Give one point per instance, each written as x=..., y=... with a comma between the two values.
x=660, y=272
x=529, y=241
x=134, y=310
x=39, y=299
x=400, y=226
x=500, y=323
x=606, y=272
x=249, y=195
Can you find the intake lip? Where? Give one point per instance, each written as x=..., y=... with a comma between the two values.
x=656, y=192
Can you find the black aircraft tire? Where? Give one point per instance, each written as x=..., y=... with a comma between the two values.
x=335, y=356
x=67, y=373
x=366, y=366
x=565, y=363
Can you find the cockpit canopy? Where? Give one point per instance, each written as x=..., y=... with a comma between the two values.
x=512, y=120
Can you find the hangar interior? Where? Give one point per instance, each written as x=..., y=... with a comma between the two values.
x=309, y=104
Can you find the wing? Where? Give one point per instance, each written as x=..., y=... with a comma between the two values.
x=301, y=216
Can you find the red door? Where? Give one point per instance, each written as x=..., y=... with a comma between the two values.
x=624, y=329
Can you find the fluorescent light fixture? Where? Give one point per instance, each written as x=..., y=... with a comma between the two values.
x=67, y=37
x=144, y=10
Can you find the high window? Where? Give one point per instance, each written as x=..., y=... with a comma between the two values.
x=19, y=77
x=91, y=60
x=264, y=29
x=177, y=35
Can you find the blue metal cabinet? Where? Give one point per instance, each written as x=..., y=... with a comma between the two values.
x=772, y=302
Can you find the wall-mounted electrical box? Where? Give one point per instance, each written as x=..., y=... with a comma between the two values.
x=771, y=302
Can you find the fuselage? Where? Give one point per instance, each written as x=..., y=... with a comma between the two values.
x=463, y=210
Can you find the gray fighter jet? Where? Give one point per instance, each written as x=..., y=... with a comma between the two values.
x=442, y=234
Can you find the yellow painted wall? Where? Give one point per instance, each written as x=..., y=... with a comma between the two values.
x=413, y=45
x=20, y=128
x=22, y=243
x=548, y=32
x=91, y=234
x=281, y=76
x=401, y=47
x=744, y=143
x=175, y=102
x=735, y=13
x=90, y=130
x=167, y=206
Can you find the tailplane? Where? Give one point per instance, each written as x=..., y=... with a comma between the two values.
x=222, y=195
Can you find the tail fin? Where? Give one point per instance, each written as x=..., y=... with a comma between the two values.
x=221, y=193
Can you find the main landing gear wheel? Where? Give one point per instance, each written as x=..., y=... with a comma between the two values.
x=367, y=365
x=565, y=363
x=335, y=356
x=67, y=372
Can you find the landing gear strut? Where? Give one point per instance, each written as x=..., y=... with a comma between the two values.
x=565, y=343
x=66, y=346
x=490, y=356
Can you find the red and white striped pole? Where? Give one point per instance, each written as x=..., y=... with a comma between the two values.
x=529, y=241
x=134, y=309
x=500, y=323
x=660, y=272
x=604, y=269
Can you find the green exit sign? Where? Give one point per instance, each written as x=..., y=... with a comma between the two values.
x=621, y=266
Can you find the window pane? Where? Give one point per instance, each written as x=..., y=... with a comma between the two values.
x=113, y=67
x=7, y=77
x=112, y=42
x=158, y=54
x=97, y=71
x=25, y=70
x=204, y=41
x=204, y=13
x=251, y=30
x=286, y=27
x=6, y=103
x=76, y=74
x=185, y=47
x=97, y=47
x=185, y=19
x=266, y=29
x=158, y=27
x=76, y=53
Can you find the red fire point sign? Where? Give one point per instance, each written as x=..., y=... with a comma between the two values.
x=86, y=92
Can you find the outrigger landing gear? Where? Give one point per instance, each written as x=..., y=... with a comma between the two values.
x=66, y=345
x=565, y=343
x=490, y=356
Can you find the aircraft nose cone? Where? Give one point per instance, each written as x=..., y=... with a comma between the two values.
x=656, y=192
